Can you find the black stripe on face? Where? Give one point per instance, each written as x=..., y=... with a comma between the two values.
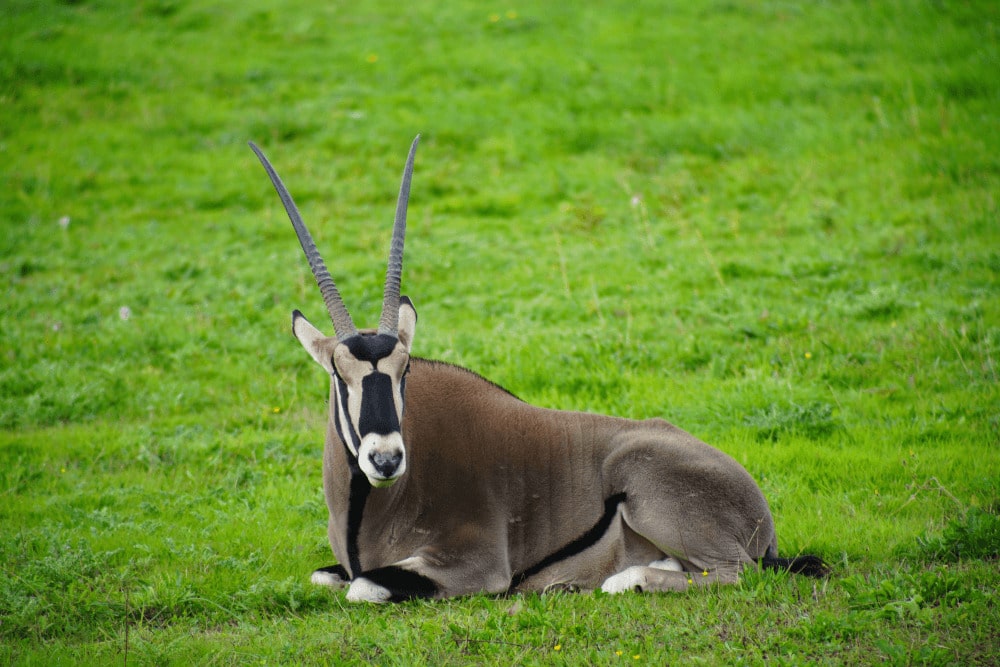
x=371, y=348
x=588, y=539
x=378, y=406
x=355, y=440
x=378, y=412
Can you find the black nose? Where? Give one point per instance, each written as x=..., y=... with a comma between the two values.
x=386, y=463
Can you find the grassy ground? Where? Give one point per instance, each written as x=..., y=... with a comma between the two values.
x=774, y=224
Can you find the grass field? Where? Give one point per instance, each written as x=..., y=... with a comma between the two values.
x=773, y=224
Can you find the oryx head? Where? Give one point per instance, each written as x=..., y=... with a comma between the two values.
x=367, y=367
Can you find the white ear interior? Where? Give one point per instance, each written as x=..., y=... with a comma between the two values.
x=407, y=322
x=313, y=340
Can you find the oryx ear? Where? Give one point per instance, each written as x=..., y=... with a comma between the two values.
x=407, y=322
x=318, y=346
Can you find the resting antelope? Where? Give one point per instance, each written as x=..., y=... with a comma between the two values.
x=440, y=483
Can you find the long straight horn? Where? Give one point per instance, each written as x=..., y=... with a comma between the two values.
x=342, y=322
x=389, y=322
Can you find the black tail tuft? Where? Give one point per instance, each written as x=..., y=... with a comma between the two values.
x=809, y=566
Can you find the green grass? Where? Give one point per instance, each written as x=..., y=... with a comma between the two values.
x=774, y=224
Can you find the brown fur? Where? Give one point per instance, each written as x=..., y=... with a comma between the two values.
x=494, y=485
x=466, y=489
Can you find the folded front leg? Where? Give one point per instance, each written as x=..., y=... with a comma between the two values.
x=334, y=576
x=425, y=577
x=393, y=583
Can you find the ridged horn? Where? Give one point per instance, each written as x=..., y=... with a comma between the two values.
x=342, y=323
x=389, y=322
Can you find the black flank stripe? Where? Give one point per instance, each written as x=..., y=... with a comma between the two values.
x=586, y=540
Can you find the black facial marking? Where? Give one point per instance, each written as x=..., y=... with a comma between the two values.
x=378, y=408
x=355, y=439
x=584, y=541
x=403, y=584
x=371, y=348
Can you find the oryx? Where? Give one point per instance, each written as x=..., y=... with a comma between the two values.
x=440, y=483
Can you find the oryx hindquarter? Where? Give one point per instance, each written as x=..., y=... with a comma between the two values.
x=440, y=483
